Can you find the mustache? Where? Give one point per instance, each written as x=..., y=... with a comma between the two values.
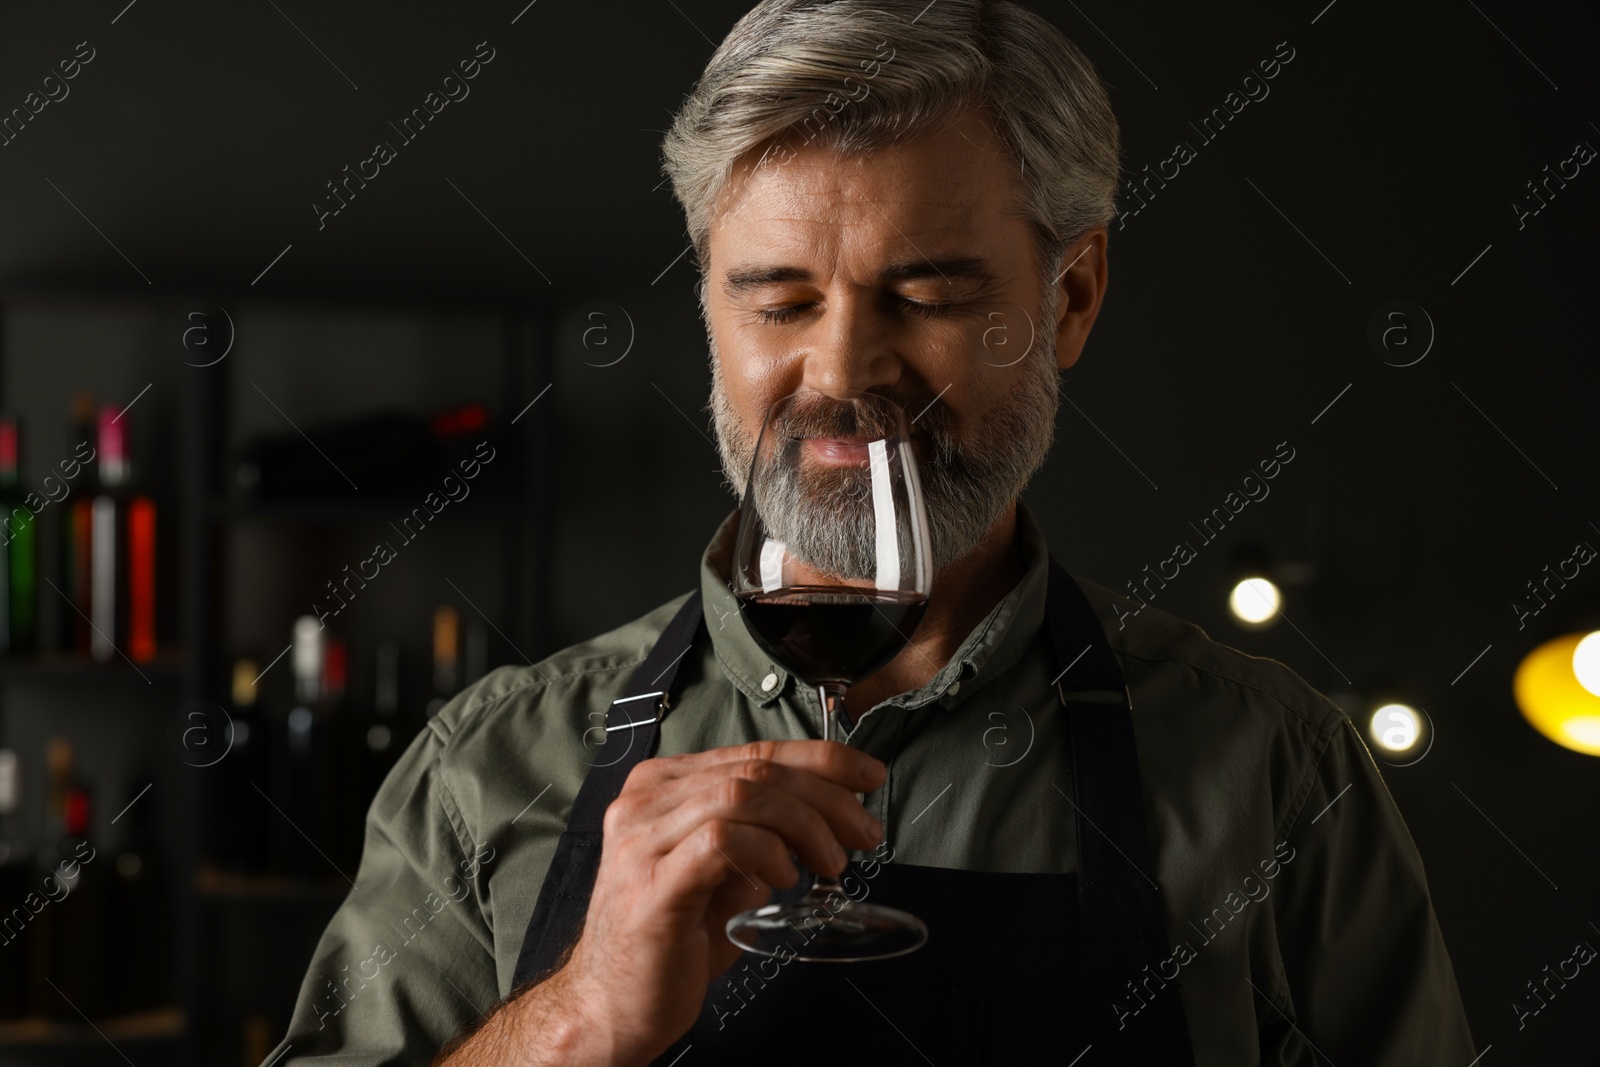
x=825, y=416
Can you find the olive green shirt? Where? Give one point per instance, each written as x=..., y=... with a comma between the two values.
x=1295, y=900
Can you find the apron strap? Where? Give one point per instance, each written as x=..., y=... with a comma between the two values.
x=632, y=724
x=1119, y=907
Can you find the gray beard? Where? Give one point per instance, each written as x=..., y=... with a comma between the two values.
x=827, y=518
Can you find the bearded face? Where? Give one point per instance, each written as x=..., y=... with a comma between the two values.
x=969, y=475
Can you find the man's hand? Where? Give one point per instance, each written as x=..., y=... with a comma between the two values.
x=690, y=842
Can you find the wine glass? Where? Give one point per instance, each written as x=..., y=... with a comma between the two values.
x=832, y=568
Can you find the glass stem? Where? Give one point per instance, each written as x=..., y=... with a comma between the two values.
x=832, y=697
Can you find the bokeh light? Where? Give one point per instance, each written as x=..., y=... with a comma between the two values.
x=1586, y=663
x=1396, y=727
x=1255, y=601
x=1552, y=699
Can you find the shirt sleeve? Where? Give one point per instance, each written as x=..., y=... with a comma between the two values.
x=407, y=961
x=1367, y=978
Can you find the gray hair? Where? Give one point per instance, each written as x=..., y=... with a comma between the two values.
x=816, y=70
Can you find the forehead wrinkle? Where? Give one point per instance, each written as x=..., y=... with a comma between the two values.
x=819, y=207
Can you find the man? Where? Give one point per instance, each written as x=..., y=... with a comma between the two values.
x=1131, y=844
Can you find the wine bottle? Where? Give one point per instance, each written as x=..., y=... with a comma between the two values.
x=77, y=549
x=377, y=737
x=18, y=554
x=301, y=785
x=106, y=556
x=252, y=772
x=334, y=775
x=16, y=882
x=136, y=955
x=83, y=427
x=446, y=657
x=122, y=556
x=238, y=821
x=71, y=926
x=47, y=887
x=141, y=603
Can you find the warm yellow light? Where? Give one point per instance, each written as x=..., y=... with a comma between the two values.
x=1586, y=663
x=1552, y=700
x=1396, y=727
x=1585, y=730
x=1254, y=601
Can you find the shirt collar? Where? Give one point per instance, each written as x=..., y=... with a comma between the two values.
x=996, y=643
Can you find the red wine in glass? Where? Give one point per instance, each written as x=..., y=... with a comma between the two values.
x=825, y=634
x=832, y=569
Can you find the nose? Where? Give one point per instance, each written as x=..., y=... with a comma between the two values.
x=853, y=350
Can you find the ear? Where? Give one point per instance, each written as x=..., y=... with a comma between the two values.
x=1082, y=288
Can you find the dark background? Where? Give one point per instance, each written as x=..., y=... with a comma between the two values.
x=1385, y=159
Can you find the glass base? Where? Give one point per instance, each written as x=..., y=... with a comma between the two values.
x=808, y=929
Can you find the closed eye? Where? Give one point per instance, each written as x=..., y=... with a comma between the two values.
x=927, y=311
x=779, y=316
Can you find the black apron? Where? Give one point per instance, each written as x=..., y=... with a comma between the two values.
x=1018, y=968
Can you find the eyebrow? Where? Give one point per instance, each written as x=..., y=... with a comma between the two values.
x=741, y=280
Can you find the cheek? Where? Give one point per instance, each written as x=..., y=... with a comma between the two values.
x=1009, y=336
x=969, y=370
x=753, y=377
x=763, y=385
x=991, y=401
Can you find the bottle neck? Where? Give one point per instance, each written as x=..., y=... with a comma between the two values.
x=9, y=476
x=112, y=454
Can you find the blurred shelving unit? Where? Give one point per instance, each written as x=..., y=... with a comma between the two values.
x=234, y=572
x=167, y=665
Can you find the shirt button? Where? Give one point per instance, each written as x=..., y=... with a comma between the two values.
x=955, y=687
x=769, y=683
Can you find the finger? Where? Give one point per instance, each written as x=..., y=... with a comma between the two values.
x=725, y=849
x=838, y=762
x=852, y=825
x=769, y=795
